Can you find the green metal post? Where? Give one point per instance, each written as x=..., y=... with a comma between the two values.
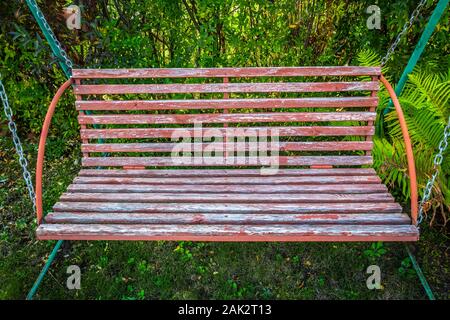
x=38, y=281
x=420, y=274
x=420, y=47
x=49, y=35
x=59, y=53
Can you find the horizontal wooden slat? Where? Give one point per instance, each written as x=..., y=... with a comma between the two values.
x=227, y=198
x=211, y=218
x=223, y=188
x=174, y=207
x=238, y=146
x=228, y=232
x=226, y=132
x=333, y=102
x=232, y=180
x=227, y=87
x=221, y=161
x=223, y=172
x=226, y=72
x=226, y=117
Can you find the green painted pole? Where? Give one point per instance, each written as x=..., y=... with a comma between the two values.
x=420, y=274
x=420, y=47
x=53, y=42
x=44, y=270
x=49, y=35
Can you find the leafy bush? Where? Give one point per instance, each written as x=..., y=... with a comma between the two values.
x=425, y=103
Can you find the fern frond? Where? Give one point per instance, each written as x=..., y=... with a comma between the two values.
x=429, y=91
x=423, y=126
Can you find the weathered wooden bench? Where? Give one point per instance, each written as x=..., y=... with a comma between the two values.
x=133, y=186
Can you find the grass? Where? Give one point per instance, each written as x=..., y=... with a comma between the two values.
x=188, y=270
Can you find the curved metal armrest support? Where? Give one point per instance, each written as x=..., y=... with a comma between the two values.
x=409, y=150
x=41, y=150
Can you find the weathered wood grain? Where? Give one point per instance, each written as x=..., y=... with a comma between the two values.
x=174, y=207
x=211, y=218
x=237, y=146
x=257, y=103
x=228, y=232
x=230, y=161
x=224, y=188
x=141, y=133
x=226, y=198
x=224, y=172
x=226, y=72
x=226, y=87
x=271, y=180
x=226, y=118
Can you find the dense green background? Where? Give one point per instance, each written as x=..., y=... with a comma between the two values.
x=211, y=33
x=208, y=33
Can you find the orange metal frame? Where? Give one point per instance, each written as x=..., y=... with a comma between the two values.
x=68, y=83
x=409, y=150
x=41, y=150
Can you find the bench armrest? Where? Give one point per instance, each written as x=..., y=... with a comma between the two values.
x=408, y=147
x=41, y=149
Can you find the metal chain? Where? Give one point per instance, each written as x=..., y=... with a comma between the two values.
x=406, y=26
x=18, y=145
x=41, y=17
x=437, y=161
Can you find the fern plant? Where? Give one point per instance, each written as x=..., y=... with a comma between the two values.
x=425, y=103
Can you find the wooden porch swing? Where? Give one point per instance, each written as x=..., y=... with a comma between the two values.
x=131, y=186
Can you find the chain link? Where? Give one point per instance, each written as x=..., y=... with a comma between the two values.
x=18, y=145
x=437, y=161
x=406, y=26
x=62, y=52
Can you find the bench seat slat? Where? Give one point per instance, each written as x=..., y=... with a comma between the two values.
x=224, y=172
x=232, y=180
x=227, y=87
x=226, y=72
x=235, y=189
x=226, y=118
x=226, y=198
x=228, y=232
x=212, y=218
x=174, y=207
x=257, y=103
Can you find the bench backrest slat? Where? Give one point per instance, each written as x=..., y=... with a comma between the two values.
x=226, y=72
x=228, y=118
x=226, y=87
x=273, y=103
x=323, y=116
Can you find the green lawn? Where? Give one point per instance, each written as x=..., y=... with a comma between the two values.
x=187, y=270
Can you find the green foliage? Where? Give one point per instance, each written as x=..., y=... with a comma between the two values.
x=425, y=103
x=188, y=33
x=406, y=269
x=184, y=252
x=377, y=250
